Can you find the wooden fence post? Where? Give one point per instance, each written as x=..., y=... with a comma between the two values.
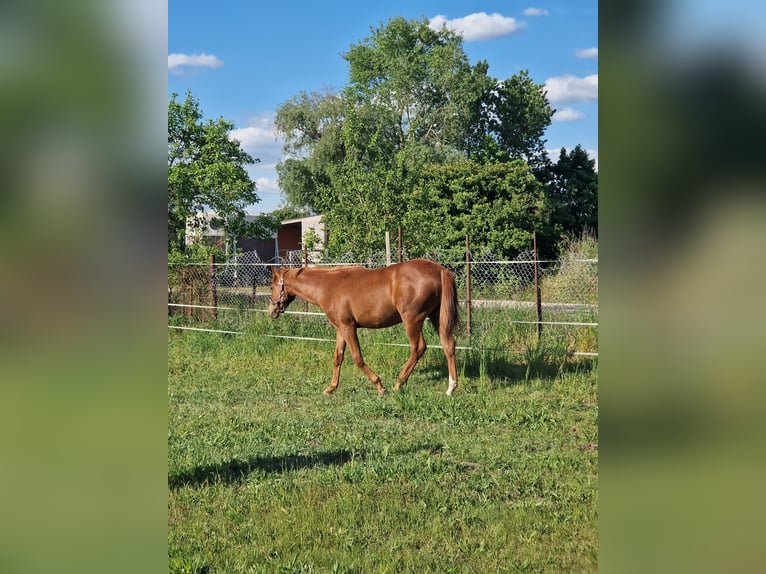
x=254, y=275
x=185, y=295
x=213, y=293
x=468, y=284
x=305, y=264
x=538, y=300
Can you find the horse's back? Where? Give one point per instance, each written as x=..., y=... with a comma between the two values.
x=381, y=297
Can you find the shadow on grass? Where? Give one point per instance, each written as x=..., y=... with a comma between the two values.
x=236, y=471
x=511, y=369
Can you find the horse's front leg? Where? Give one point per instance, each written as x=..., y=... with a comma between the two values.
x=349, y=333
x=340, y=349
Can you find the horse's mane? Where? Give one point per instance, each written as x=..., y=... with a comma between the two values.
x=331, y=268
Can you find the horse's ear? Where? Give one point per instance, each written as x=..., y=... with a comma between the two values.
x=274, y=271
x=299, y=271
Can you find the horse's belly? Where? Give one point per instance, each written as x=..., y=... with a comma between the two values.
x=380, y=323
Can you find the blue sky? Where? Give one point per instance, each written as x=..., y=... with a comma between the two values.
x=242, y=60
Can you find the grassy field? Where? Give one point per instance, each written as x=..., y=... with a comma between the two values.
x=266, y=474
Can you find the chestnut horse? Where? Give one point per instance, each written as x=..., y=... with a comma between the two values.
x=353, y=297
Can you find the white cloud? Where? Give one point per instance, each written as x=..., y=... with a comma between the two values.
x=259, y=139
x=266, y=185
x=255, y=136
x=536, y=12
x=587, y=53
x=478, y=26
x=570, y=88
x=567, y=115
x=178, y=61
x=267, y=189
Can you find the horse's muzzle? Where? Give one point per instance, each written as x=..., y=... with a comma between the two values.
x=274, y=311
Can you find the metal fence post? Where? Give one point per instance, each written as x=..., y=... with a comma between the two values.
x=468, y=283
x=399, y=243
x=538, y=300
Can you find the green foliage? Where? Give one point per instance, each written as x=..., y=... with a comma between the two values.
x=515, y=117
x=418, y=81
x=574, y=192
x=575, y=280
x=265, y=474
x=498, y=204
x=582, y=246
x=311, y=124
x=195, y=253
x=206, y=171
x=361, y=206
x=363, y=157
x=311, y=239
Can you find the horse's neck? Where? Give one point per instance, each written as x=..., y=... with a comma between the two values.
x=306, y=288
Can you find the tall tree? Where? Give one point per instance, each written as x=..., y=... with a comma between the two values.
x=514, y=118
x=206, y=170
x=411, y=98
x=574, y=192
x=311, y=124
x=419, y=80
x=413, y=101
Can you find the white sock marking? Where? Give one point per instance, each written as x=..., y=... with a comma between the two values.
x=452, y=385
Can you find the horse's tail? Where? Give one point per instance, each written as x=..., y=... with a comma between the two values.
x=448, y=314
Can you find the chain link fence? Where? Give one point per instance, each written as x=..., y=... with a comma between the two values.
x=500, y=305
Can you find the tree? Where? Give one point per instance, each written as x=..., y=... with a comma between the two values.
x=206, y=171
x=413, y=102
x=574, y=192
x=514, y=116
x=420, y=83
x=361, y=205
x=311, y=124
x=411, y=98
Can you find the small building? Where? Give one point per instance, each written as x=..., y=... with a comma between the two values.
x=292, y=234
x=290, y=237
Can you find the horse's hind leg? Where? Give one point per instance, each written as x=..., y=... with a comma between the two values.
x=414, y=332
x=448, y=346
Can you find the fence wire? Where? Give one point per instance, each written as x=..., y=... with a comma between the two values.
x=227, y=295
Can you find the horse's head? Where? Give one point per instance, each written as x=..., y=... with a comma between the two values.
x=280, y=298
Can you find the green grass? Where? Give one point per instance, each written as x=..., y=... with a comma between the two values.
x=266, y=474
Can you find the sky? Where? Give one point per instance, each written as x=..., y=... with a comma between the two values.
x=243, y=59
